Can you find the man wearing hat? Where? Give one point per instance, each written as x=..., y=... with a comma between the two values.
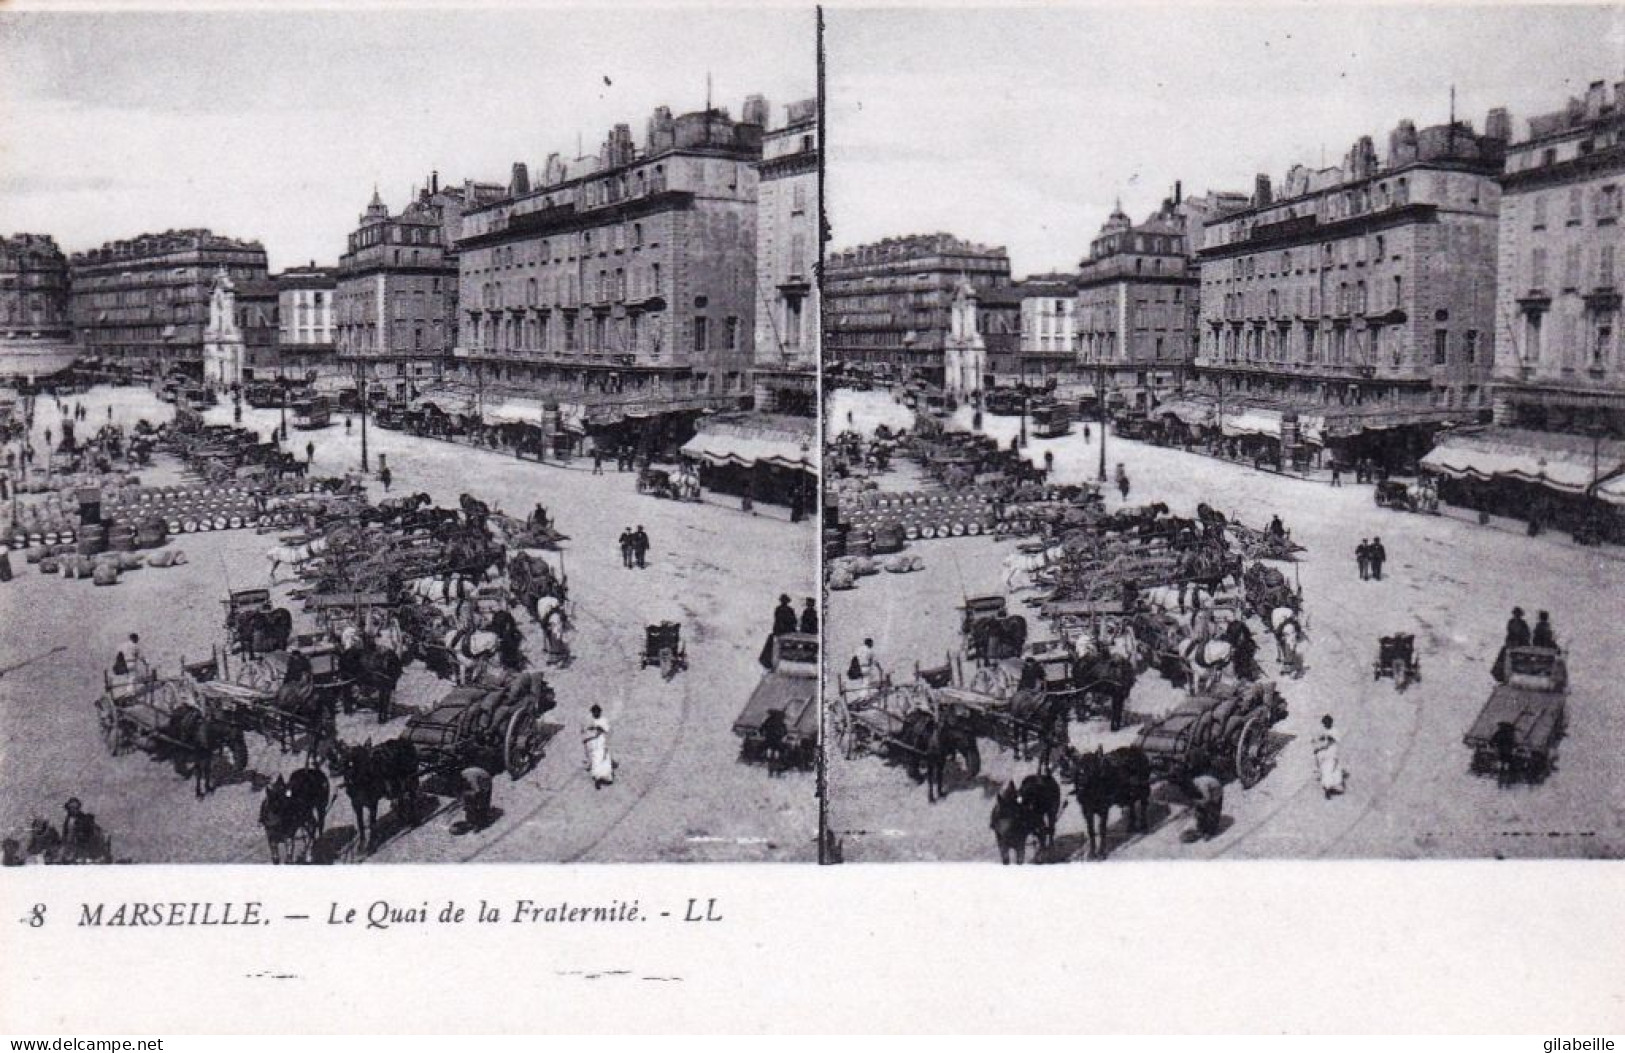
x=809, y=617
x=784, y=617
x=1517, y=629
x=1544, y=636
x=78, y=827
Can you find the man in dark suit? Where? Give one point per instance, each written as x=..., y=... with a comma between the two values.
x=1379, y=555
x=784, y=617
x=809, y=617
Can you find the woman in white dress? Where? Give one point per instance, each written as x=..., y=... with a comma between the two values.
x=600, y=765
x=1327, y=759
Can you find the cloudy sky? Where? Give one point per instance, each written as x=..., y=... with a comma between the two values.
x=277, y=125
x=1021, y=127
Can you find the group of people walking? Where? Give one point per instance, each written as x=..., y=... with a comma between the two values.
x=634, y=547
x=1370, y=555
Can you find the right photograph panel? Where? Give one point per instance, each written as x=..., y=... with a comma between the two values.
x=1224, y=434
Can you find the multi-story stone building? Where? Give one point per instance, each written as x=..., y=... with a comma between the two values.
x=36, y=332
x=145, y=301
x=395, y=302
x=888, y=305
x=304, y=315
x=624, y=284
x=1558, y=363
x=1354, y=313
x=1136, y=306
x=1047, y=344
x=241, y=331
x=787, y=244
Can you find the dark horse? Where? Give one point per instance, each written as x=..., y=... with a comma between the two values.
x=372, y=773
x=933, y=741
x=1110, y=676
x=373, y=671
x=1101, y=780
x=1030, y=811
x=192, y=737
x=294, y=808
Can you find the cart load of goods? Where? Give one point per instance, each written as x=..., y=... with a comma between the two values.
x=69, y=482
x=884, y=522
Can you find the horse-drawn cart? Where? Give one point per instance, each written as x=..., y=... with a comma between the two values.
x=498, y=729
x=663, y=647
x=1396, y=659
x=1516, y=732
x=781, y=717
x=169, y=717
x=1226, y=733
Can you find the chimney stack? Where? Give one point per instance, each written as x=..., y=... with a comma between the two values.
x=1179, y=192
x=521, y=179
x=434, y=182
x=1261, y=191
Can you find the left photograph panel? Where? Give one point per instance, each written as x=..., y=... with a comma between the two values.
x=408, y=437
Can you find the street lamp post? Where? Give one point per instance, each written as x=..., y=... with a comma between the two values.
x=361, y=370
x=282, y=397
x=1100, y=404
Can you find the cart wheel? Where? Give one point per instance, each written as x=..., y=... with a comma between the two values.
x=522, y=745
x=112, y=732
x=1250, y=761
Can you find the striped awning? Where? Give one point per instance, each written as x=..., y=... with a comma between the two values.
x=1613, y=490
x=745, y=450
x=514, y=411
x=1568, y=463
x=1254, y=422
x=1186, y=410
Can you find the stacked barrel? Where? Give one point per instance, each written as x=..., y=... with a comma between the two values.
x=878, y=522
x=154, y=511
x=122, y=519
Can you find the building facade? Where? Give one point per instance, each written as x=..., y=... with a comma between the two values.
x=307, y=331
x=1046, y=344
x=624, y=281
x=787, y=244
x=395, y=298
x=1558, y=362
x=965, y=368
x=1137, y=305
x=241, y=333
x=888, y=305
x=144, y=302
x=36, y=323
x=1354, y=314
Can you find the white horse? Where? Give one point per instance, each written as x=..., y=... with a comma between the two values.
x=1021, y=568
x=294, y=555
x=555, y=622
x=1205, y=662
x=473, y=651
x=1289, y=633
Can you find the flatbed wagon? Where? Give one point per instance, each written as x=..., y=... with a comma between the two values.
x=1516, y=732
x=790, y=689
x=1226, y=733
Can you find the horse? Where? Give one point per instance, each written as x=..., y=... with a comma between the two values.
x=994, y=638
x=372, y=773
x=932, y=741
x=372, y=670
x=292, y=809
x=1108, y=674
x=510, y=646
x=294, y=555
x=1041, y=800
x=1101, y=780
x=1009, y=823
x=470, y=651
x=1204, y=660
x=1289, y=634
x=256, y=632
x=191, y=736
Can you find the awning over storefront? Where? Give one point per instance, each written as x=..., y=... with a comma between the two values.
x=1561, y=462
x=1613, y=490
x=514, y=411
x=1189, y=411
x=1253, y=422
x=755, y=439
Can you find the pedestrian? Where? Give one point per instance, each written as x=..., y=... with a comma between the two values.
x=310, y=452
x=385, y=476
x=47, y=438
x=1362, y=556
x=1518, y=634
x=1122, y=486
x=1544, y=636
x=133, y=657
x=797, y=513
x=1328, y=761
x=626, y=547
x=237, y=413
x=1378, y=556
x=597, y=460
x=347, y=429
x=784, y=617
x=868, y=663
x=1086, y=434
x=809, y=617
x=475, y=792
x=1277, y=528
x=1049, y=460
x=595, y=739
x=1209, y=794
x=640, y=546
x=1337, y=474
x=110, y=413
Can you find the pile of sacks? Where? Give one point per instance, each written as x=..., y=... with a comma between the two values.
x=103, y=569
x=845, y=571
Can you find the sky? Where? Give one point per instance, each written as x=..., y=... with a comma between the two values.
x=1023, y=127
x=277, y=125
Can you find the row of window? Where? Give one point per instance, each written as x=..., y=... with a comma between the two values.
x=1575, y=266
x=1605, y=206
x=1593, y=332
x=568, y=290
x=1342, y=345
